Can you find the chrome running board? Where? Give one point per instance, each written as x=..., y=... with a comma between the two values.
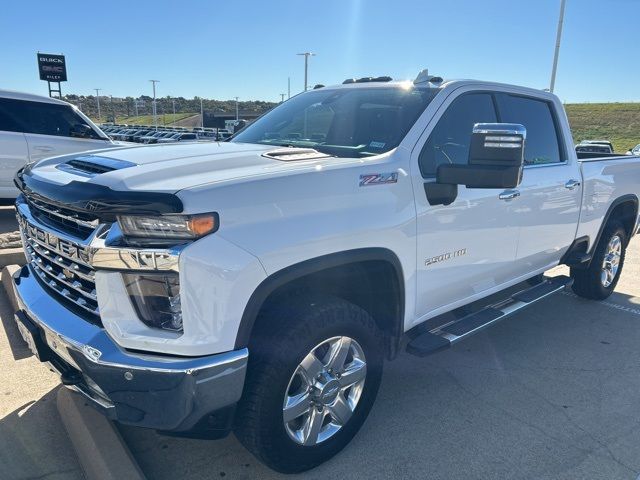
x=453, y=332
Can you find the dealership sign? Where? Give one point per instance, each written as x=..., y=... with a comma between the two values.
x=52, y=67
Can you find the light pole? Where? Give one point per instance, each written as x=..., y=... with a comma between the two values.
x=288, y=87
x=237, y=108
x=113, y=112
x=201, y=114
x=98, y=100
x=557, y=52
x=155, y=116
x=173, y=102
x=306, y=67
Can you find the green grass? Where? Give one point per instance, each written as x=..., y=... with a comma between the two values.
x=617, y=122
x=165, y=119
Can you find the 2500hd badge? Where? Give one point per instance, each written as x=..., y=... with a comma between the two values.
x=445, y=256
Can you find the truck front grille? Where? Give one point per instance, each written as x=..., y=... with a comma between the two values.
x=79, y=225
x=62, y=265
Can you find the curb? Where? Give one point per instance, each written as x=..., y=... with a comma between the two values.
x=12, y=256
x=7, y=284
x=100, y=449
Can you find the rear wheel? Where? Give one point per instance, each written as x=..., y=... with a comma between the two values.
x=599, y=280
x=312, y=380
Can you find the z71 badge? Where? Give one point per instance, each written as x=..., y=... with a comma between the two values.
x=378, y=179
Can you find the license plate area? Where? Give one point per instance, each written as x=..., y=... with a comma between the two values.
x=31, y=335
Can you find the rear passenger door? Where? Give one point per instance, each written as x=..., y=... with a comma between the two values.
x=548, y=207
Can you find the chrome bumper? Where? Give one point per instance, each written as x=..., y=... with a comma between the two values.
x=162, y=392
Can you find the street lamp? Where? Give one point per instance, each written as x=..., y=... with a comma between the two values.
x=98, y=100
x=155, y=117
x=201, y=114
x=306, y=67
x=557, y=52
x=113, y=112
x=237, y=108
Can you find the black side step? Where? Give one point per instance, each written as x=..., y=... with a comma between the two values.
x=446, y=335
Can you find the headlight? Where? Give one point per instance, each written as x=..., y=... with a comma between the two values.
x=156, y=298
x=169, y=227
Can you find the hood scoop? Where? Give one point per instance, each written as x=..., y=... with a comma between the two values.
x=92, y=165
x=289, y=154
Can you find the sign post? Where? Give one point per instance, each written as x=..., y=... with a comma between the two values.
x=53, y=69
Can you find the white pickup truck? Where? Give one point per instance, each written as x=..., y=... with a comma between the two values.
x=259, y=284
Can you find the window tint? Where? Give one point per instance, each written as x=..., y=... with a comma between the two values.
x=541, y=146
x=36, y=117
x=351, y=122
x=450, y=140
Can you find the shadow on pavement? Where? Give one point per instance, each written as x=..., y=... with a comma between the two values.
x=19, y=348
x=550, y=393
x=33, y=443
x=8, y=221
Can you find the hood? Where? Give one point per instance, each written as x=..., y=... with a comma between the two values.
x=171, y=168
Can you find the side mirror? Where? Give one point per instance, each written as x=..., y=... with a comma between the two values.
x=496, y=158
x=81, y=130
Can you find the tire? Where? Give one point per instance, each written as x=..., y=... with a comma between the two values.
x=593, y=282
x=290, y=331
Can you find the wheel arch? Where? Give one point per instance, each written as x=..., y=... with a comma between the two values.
x=624, y=209
x=362, y=266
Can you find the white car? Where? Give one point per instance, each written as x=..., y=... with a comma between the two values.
x=261, y=283
x=33, y=127
x=634, y=151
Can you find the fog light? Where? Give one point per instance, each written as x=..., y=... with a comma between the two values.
x=156, y=298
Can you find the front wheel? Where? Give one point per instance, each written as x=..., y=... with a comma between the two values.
x=311, y=382
x=599, y=280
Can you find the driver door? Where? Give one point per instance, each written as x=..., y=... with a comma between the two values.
x=467, y=248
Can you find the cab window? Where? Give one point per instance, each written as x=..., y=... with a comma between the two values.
x=450, y=140
x=541, y=146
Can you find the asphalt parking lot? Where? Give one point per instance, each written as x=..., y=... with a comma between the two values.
x=551, y=393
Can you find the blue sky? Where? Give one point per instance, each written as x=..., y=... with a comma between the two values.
x=247, y=48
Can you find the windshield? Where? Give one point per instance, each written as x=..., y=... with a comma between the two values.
x=352, y=122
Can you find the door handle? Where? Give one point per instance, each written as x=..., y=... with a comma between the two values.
x=509, y=195
x=571, y=184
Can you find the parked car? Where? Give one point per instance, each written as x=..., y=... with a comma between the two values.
x=178, y=137
x=33, y=127
x=260, y=284
x=593, y=148
x=634, y=151
x=598, y=142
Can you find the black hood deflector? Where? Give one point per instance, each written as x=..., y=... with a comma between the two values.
x=99, y=200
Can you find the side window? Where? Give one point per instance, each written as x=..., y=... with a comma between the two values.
x=12, y=117
x=38, y=117
x=51, y=119
x=450, y=140
x=542, y=145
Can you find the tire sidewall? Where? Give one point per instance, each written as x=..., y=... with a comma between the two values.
x=613, y=230
x=315, y=329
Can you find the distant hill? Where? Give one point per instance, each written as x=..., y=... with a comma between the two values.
x=617, y=122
